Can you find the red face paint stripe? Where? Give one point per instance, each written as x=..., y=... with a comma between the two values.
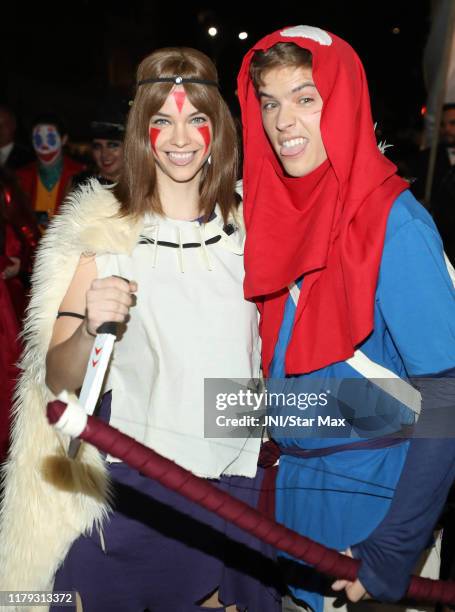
x=179, y=97
x=154, y=133
x=205, y=132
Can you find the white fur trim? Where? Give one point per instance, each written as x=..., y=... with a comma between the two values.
x=49, y=500
x=303, y=31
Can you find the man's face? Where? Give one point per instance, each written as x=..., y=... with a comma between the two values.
x=7, y=128
x=291, y=114
x=47, y=142
x=448, y=127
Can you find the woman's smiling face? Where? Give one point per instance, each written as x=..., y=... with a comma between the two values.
x=180, y=137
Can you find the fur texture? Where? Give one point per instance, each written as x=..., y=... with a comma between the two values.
x=48, y=499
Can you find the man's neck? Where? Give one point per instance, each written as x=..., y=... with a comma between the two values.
x=50, y=173
x=50, y=167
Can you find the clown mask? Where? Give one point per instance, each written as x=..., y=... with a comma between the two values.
x=47, y=143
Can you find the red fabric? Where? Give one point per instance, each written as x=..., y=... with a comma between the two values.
x=109, y=440
x=328, y=225
x=13, y=248
x=266, y=502
x=268, y=457
x=269, y=454
x=9, y=354
x=18, y=215
x=28, y=179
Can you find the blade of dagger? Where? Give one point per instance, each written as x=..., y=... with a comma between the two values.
x=95, y=373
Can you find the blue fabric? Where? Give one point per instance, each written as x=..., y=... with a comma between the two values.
x=428, y=474
x=341, y=498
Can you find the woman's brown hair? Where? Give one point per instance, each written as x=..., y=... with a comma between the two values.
x=137, y=188
x=281, y=55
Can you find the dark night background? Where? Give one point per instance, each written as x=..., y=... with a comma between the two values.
x=64, y=58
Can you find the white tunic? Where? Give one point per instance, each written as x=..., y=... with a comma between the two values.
x=190, y=322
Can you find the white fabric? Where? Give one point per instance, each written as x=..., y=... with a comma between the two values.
x=304, y=31
x=5, y=153
x=74, y=420
x=450, y=269
x=295, y=293
x=191, y=322
x=387, y=380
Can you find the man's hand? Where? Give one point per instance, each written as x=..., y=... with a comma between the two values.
x=354, y=590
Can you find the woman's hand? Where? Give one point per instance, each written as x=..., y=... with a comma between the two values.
x=108, y=299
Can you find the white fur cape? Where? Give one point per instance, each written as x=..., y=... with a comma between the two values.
x=50, y=500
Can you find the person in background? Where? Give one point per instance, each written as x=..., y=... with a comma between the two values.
x=13, y=155
x=45, y=181
x=442, y=199
x=107, y=135
x=18, y=239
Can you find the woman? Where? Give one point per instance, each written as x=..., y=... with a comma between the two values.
x=107, y=134
x=155, y=255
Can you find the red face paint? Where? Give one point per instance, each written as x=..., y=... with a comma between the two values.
x=179, y=97
x=154, y=133
x=205, y=133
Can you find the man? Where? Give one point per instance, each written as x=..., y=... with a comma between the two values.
x=349, y=275
x=448, y=129
x=12, y=154
x=442, y=199
x=46, y=180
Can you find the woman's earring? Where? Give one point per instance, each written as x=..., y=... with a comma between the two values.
x=209, y=160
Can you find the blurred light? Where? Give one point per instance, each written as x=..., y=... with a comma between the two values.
x=243, y=35
x=395, y=30
x=423, y=110
x=213, y=31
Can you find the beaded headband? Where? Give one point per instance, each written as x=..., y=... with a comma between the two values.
x=177, y=80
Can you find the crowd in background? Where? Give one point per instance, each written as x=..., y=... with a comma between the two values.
x=35, y=178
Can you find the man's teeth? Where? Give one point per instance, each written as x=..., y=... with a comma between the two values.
x=181, y=156
x=293, y=143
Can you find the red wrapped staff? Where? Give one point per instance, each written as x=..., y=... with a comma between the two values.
x=71, y=419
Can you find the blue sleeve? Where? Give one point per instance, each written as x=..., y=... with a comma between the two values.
x=416, y=297
x=417, y=300
x=390, y=554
